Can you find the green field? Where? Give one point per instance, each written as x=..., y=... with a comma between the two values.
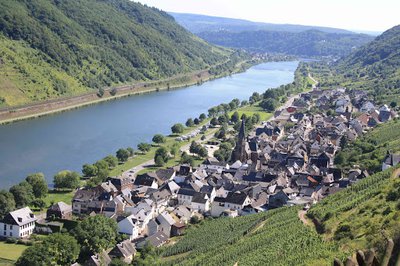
x=10, y=252
x=253, y=109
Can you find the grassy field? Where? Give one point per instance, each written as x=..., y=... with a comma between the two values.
x=56, y=196
x=10, y=253
x=253, y=109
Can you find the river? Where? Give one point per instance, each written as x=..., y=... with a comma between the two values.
x=70, y=139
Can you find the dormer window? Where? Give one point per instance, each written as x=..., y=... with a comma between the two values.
x=20, y=219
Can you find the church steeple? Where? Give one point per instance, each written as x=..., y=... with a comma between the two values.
x=242, y=134
x=239, y=153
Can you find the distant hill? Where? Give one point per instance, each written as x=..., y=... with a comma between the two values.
x=305, y=41
x=374, y=67
x=382, y=53
x=50, y=48
x=200, y=23
x=308, y=43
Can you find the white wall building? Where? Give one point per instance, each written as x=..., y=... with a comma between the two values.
x=18, y=224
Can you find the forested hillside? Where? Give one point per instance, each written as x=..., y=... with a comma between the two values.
x=201, y=23
x=50, y=48
x=308, y=43
x=374, y=67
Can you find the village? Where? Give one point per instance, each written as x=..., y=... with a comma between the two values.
x=285, y=161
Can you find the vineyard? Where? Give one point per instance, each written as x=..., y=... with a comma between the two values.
x=277, y=237
x=369, y=150
x=363, y=216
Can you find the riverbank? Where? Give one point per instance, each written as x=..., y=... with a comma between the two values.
x=14, y=114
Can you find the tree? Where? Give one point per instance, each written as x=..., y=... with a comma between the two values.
x=214, y=121
x=174, y=149
x=144, y=147
x=102, y=169
x=122, y=155
x=147, y=256
x=268, y=105
x=56, y=249
x=113, y=92
x=38, y=203
x=202, y=117
x=177, y=128
x=96, y=233
x=196, y=121
x=393, y=104
x=66, y=180
x=235, y=117
x=187, y=159
x=189, y=122
x=202, y=152
x=255, y=97
x=163, y=155
x=159, y=161
x=111, y=160
x=39, y=185
x=131, y=151
x=89, y=170
x=7, y=203
x=100, y=93
x=23, y=194
x=159, y=138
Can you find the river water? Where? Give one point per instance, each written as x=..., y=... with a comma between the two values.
x=70, y=139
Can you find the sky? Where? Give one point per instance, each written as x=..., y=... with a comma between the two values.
x=367, y=15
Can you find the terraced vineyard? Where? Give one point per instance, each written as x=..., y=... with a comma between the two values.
x=277, y=237
x=363, y=216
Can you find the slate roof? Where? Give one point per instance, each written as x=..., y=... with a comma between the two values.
x=20, y=217
x=186, y=192
x=61, y=207
x=144, y=180
x=236, y=198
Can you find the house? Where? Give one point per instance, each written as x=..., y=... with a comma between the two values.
x=200, y=202
x=278, y=200
x=60, y=210
x=146, y=180
x=18, y=224
x=390, y=160
x=124, y=251
x=233, y=201
x=156, y=240
x=185, y=196
x=165, y=221
x=178, y=229
x=129, y=226
x=101, y=259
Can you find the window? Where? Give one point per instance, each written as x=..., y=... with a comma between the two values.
x=11, y=227
x=5, y=227
x=10, y=233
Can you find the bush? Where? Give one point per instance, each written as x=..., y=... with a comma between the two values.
x=11, y=240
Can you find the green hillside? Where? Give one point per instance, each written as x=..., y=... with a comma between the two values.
x=310, y=43
x=50, y=48
x=374, y=67
x=277, y=237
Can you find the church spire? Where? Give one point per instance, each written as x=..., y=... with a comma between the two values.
x=242, y=133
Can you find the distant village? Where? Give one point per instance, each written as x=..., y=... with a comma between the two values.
x=287, y=160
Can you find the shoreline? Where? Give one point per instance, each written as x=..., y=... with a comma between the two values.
x=36, y=110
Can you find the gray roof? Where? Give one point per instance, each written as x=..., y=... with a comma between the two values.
x=20, y=217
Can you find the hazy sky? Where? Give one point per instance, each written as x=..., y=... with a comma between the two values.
x=373, y=15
